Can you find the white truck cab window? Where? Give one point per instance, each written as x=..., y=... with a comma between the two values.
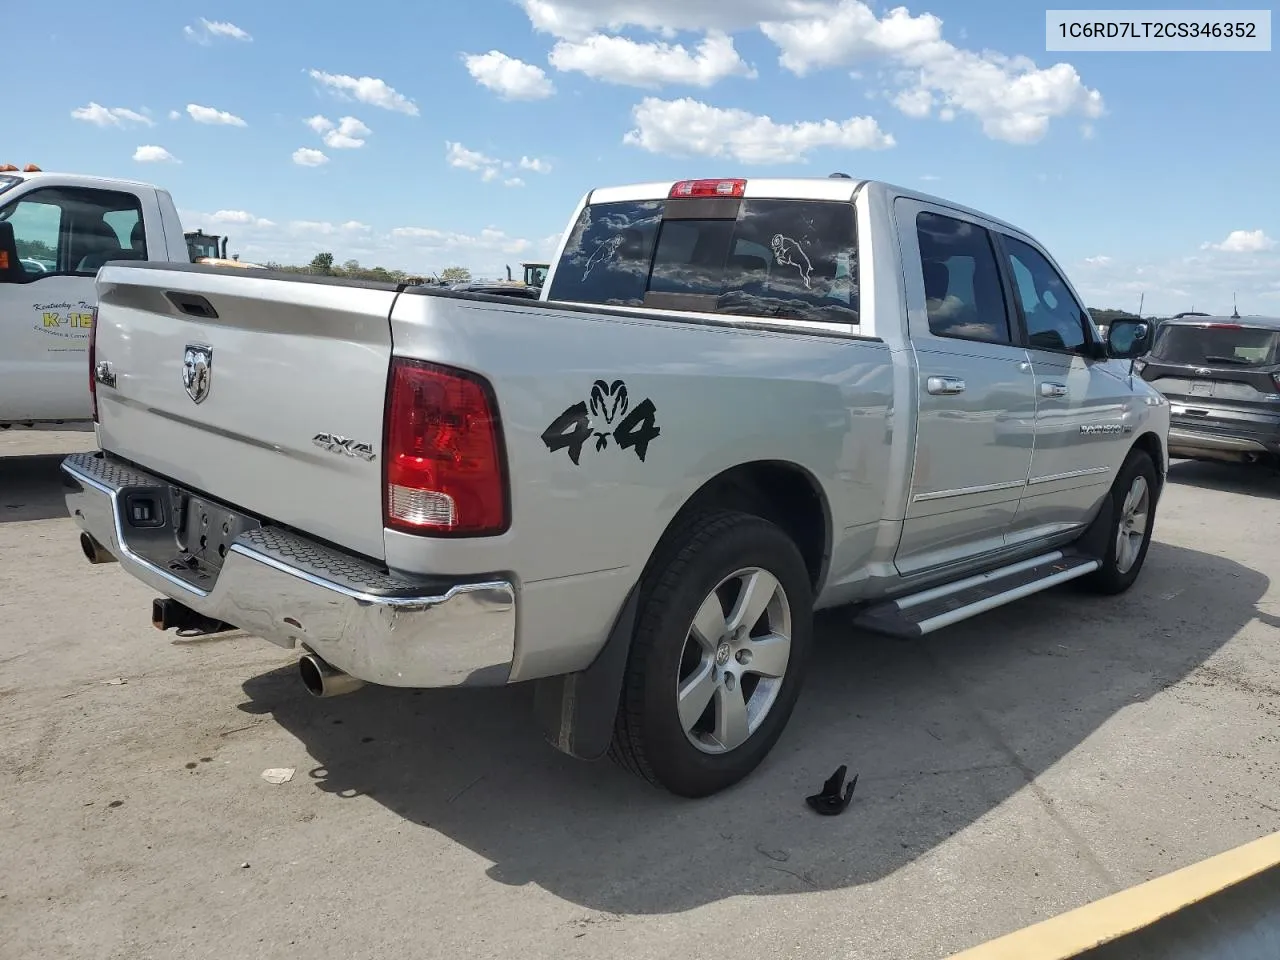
x=69, y=231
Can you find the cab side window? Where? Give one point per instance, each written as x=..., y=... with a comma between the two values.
x=963, y=292
x=1055, y=321
x=69, y=232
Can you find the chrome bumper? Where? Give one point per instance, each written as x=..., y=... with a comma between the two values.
x=1181, y=438
x=293, y=591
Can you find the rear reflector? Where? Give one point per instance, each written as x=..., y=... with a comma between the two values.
x=708, y=188
x=93, y=361
x=443, y=468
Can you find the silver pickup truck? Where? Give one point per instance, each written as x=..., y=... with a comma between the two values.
x=737, y=402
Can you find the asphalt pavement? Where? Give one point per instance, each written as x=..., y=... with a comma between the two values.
x=1010, y=768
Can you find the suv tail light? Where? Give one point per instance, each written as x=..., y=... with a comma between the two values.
x=443, y=464
x=1275, y=378
x=708, y=188
x=93, y=361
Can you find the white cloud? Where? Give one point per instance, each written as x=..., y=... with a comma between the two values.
x=153, y=154
x=1011, y=97
x=307, y=157
x=489, y=238
x=847, y=33
x=534, y=164
x=930, y=176
x=690, y=128
x=206, y=30
x=175, y=115
x=370, y=90
x=319, y=124
x=490, y=168
x=459, y=156
x=347, y=135
x=1202, y=281
x=576, y=19
x=1099, y=261
x=1242, y=241
x=209, y=115
x=101, y=116
x=357, y=226
x=508, y=77
x=240, y=218
x=650, y=65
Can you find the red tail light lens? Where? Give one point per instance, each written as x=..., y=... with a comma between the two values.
x=93, y=361
x=1275, y=377
x=442, y=454
x=708, y=188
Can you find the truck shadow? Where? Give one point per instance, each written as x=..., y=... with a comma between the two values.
x=1253, y=480
x=31, y=488
x=941, y=732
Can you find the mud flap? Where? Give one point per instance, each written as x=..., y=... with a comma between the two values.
x=577, y=711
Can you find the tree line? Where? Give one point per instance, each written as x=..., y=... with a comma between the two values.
x=322, y=264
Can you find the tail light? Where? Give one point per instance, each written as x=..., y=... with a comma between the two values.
x=708, y=188
x=1275, y=378
x=93, y=361
x=442, y=453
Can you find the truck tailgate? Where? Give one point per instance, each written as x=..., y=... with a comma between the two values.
x=282, y=388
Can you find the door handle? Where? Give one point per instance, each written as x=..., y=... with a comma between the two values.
x=1053, y=389
x=944, y=385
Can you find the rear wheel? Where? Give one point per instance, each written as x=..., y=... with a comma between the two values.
x=1133, y=514
x=721, y=644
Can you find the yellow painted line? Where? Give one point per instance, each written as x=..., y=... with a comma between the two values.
x=1072, y=933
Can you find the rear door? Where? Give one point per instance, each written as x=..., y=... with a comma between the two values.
x=53, y=239
x=976, y=406
x=1219, y=377
x=237, y=385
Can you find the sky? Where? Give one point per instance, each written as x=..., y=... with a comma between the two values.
x=420, y=136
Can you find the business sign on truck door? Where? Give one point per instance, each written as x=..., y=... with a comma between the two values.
x=54, y=237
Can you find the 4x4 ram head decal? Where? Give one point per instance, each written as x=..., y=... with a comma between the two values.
x=608, y=402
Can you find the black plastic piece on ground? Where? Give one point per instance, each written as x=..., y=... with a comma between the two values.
x=830, y=801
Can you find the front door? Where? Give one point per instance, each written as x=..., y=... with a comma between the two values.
x=54, y=239
x=1085, y=407
x=976, y=422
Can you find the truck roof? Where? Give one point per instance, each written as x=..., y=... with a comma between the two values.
x=837, y=187
x=1207, y=320
x=80, y=179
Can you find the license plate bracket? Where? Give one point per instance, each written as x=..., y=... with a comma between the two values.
x=206, y=530
x=1202, y=388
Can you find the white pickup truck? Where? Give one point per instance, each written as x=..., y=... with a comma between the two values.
x=56, y=230
x=739, y=401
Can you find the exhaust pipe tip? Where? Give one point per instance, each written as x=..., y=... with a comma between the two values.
x=325, y=680
x=95, y=552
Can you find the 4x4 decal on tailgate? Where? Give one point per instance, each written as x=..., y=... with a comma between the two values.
x=608, y=401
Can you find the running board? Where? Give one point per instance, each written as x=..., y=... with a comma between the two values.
x=919, y=613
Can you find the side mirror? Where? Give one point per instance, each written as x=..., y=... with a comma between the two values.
x=1128, y=339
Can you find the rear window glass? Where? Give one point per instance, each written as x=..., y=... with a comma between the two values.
x=793, y=259
x=606, y=259
x=1216, y=346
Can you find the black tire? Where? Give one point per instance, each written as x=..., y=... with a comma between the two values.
x=649, y=739
x=1112, y=577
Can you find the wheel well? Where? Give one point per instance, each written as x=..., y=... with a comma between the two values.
x=1150, y=444
x=783, y=493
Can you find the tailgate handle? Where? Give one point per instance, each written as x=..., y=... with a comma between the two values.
x=193, y=305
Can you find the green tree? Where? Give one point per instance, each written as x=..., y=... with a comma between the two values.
x=322, y=263
x=455, y=274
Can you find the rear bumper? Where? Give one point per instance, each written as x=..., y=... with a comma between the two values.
x=1213, y=434
x=293, y=591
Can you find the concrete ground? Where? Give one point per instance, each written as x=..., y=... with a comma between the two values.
x=1012, y=767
